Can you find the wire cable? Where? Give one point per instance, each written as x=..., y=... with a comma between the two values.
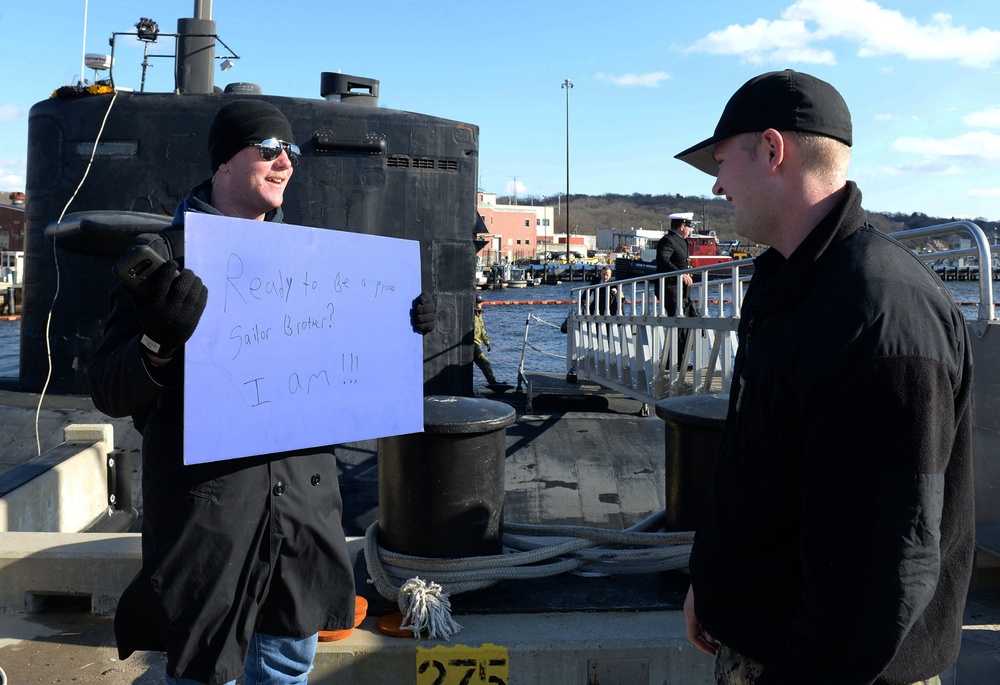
x=55, y=257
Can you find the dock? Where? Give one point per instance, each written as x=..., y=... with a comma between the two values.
x=950, y=272
x=11, y=299
x=576, y=460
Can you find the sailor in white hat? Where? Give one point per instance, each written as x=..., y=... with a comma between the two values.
x=672, y=255
x=678, y=219
x=672, y=251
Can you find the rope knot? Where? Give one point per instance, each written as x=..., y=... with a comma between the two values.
x=425, y=606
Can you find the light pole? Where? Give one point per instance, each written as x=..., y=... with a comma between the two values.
x=567, y=84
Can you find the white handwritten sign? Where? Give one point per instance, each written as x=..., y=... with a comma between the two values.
x=306, y=340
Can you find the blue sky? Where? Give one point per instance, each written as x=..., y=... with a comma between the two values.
x=650, y=79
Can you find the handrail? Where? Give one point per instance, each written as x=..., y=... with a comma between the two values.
x=635, y=351
x=983, y=251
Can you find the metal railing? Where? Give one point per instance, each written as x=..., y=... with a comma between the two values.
x=636, y=350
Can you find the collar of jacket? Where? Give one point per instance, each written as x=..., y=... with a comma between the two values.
x=786, y=279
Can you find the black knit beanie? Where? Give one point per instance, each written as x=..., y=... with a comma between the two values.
x=242, y=122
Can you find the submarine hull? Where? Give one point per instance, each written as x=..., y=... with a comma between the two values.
x=364, y=169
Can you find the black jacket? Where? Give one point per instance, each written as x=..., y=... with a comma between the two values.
x=838, y=542
x=227, y=547
x=609, y=294
x=672, y=255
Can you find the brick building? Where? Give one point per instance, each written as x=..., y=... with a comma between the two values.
x=515, y=231
x=11, y=222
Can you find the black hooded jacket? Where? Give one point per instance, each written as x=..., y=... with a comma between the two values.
x=228, y=547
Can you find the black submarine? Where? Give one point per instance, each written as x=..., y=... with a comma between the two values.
x=105, y=167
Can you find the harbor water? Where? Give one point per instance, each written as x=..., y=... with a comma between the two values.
x=545, y=351
x=10, y=336
x=505, y=323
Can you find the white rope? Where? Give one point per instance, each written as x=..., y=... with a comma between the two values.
x=550, y=354
x=427, y=608
x=583, y=549
x=554, y=325
x=55, y=260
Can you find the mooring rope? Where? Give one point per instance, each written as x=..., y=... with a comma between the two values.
x=539, y=320
x=425, y=604
x=550, y=354
x=538, y=349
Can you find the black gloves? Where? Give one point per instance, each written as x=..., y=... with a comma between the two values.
x=423, y=313
x=170, y=309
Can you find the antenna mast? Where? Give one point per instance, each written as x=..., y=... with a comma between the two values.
x=83, y=54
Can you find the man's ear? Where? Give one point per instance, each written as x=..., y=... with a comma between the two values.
x=774, y=147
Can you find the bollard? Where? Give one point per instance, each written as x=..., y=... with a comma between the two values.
x=441, y=492
x=692, y=434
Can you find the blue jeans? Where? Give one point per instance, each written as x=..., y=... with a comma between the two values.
x=272, y=661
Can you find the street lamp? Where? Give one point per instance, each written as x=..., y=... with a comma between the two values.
x=567, y=84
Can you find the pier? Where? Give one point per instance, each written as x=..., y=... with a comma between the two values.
x=579, y=461
x=948, y=272
x=11, y=299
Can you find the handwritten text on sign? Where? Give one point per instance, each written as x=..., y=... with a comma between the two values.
x=306, y=340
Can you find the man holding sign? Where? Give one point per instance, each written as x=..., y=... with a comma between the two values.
x=244, y=560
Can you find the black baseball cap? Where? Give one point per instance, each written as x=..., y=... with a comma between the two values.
x=783, y=100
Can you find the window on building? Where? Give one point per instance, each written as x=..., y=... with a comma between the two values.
x=518, y=241
x=527, y=223
x=527, y=241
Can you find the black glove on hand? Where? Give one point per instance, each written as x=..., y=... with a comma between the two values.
x=423, y=313
x=171, y=308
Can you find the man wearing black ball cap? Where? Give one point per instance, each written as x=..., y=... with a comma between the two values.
x=838, y=539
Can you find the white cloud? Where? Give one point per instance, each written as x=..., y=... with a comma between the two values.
x=971, y=151
x=885, y=117
x=984, y=192
x=975, y=144
x=876, y=31
x=11, y=175
x=765, y=41
x=11, y=182
x=939, y=166
x=10, y=113
x=650, y=80
x=515, y=187
x=987, y=118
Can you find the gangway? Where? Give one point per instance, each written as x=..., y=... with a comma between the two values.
x=636, y=351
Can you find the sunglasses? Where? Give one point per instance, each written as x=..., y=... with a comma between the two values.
x=271, y=148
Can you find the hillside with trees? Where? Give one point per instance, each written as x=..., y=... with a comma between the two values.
x=590, y=212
